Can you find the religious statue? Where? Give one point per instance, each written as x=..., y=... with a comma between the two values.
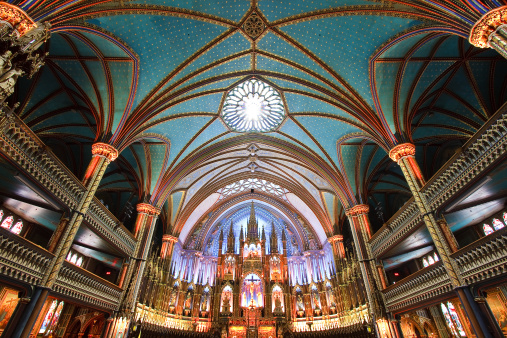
x=5, y=62
x=7, y=82
x=188, y=300
x=316, y=301
x=204, y=304
x=172, y=300
x=299, y=302
x=226, y=303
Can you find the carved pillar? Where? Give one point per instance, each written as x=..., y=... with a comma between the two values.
x=404, y=155
x=449, y=237
x=363, y=256
x=151, y=214
x=57, y=234
x=123, y=273
x=102, y=155
x=491, y=31
x=146, y=217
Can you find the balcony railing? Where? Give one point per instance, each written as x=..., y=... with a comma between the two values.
x=21, y=259
x=488, y=145
x=428, y=283
x=21, y=146
x=86, y=287
x=483, y=259
x=26, y=262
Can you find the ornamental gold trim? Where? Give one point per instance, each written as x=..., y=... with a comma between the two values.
x=356, y=210
x=487, y=24
x=169, y=238
x=16, y=17
x=105, y=150
x=148, y=209
x=401, y=151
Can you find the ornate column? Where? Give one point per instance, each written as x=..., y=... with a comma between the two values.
x=150, y=215
x=491, y=31
x=102, y=155
x=122, y=313
x=58, y=234
x=404, y=155
x=21, y=39
x=362, y=257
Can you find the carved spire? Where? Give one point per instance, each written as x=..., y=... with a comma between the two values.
x=273, y=244
x=252, y=224
x=241, y=235
x=230, y=240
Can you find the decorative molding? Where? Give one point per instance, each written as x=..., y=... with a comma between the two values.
x=487, y=25
x=169, y=238
x=360, y=209
x=148, y=209
x=420, y=287
x=402, y=150
x=23, y=148
x=105, y=150
x=17, y=18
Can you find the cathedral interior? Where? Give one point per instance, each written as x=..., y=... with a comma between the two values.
x=253, y=168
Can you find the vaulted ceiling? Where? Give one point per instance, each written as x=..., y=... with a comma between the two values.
x=356, y=77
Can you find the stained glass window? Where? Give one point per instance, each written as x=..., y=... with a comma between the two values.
x=2, y=214
x=430, y=260
x=448, y=320
x=73, y=259
x=425, y=262
x=49, y=316
x=505, y=217
x=69, y=256
x=455, y=318
x=487, y=229
x=17, y=228
x=79, y=261
x=497, y=224
x=56, y=316
x=253, y=105
x=7, y=223
x=435, y=256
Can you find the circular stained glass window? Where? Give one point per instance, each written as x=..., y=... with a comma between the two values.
x=253, y=105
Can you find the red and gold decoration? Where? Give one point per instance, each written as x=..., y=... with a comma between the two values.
x=145, y=208
x=105, y=150
x=401, y=151
x=17, y=18
x=481, y=31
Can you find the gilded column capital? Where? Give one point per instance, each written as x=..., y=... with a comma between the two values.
x=402, y=150
x=17, y=18
x=148, y=209
x=356, y=210
x=105, y=150
x=487, y=25
x=169, y=238
x=335, y=238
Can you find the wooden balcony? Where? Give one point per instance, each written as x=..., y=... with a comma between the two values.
x=26, y=262
x=25, y=150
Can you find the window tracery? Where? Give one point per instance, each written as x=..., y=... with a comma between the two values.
x=253, y=106
x=253, y=183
